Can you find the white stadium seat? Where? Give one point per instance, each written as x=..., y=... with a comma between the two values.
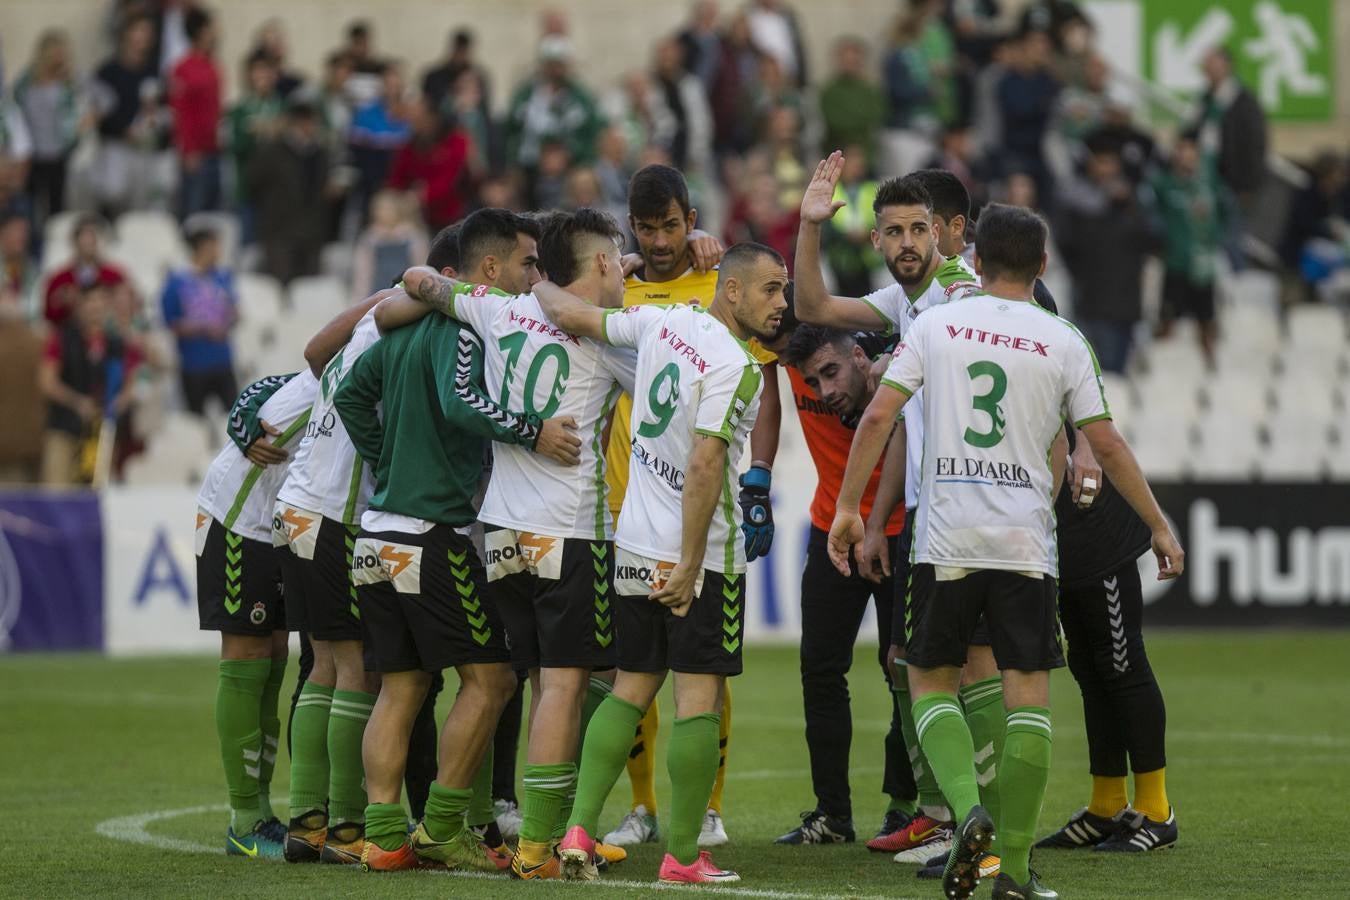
x=150, y=235
x=259, y=298
x=1290, y=459
x=1229, y=446
x=1317, y=328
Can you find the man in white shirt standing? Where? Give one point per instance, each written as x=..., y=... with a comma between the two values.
x=1002, y=375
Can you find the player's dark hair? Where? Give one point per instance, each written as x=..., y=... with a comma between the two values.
x=807, y=339
x=651, y=189
x=561, y=244
x=948, y=195
x=906, y=190
x=492, y=232
x=195, y=22
x=199, y=235
x=1010, y=242
x=444, y=250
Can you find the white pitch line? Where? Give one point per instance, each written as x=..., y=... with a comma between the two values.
x=132, y=830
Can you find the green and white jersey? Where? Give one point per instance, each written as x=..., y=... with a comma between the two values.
x=694, y=377
x=241, y=495
x=1001, y=376
x=532, y=366
x=327, y=475
x=898, y=310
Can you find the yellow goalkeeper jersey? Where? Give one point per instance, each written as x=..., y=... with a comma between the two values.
x=691, y=287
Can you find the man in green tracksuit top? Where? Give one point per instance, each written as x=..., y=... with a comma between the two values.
x=419, y=580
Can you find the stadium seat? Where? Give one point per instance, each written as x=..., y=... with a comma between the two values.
x=151, y=235
x=1314, y=327
x=1239, y=392
x=317, y=294
x=1311, y=392
x=182, y=434
x=259, y=299
x=1173, y=393
x=1163, y=446
x=1288, y=458
x=335, y=260
x=1228, y=447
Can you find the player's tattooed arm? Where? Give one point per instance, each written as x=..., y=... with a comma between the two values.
x=569, y=312
x=431, y=287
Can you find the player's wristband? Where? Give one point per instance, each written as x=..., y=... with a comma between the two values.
x=758, y=476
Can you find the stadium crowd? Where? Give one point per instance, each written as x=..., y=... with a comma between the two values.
x=372, y=158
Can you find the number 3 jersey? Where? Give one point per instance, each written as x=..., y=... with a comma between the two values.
x=532, y=366
x=694, y=377
x=999, y=378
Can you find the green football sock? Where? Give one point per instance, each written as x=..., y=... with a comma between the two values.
x=309, y=749
x=545, y=787
x=603, y=755
x=596, y=692
x=1025, y=769
x=480, y=806
x=386, y=825
x=692, y=760
x=946, y=742
x=346, y=768
x=930, y=795
x=986, y=718
x=270, y=724
x=446, y=807
x=239, y=687
x=906, y=805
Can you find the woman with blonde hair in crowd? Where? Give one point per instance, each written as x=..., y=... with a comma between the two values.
x=54, y=109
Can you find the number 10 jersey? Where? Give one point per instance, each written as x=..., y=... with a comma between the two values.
x=531, y=366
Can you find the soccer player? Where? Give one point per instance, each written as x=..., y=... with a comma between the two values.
x=548, y=540
x=419, y=579
x=908, y=236
x=239, y=595
x=678, y=541
x=1002, y=375
x=1101, y=608
x=678, y=266
x=497, y=248
x=832, y=381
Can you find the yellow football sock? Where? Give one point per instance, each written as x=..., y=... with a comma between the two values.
x=642, y=761
x=1150, y=794
x=534, y=853
x=1108, y=795
x=724, y=741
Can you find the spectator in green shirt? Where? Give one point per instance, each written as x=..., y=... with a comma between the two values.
x=851, y=104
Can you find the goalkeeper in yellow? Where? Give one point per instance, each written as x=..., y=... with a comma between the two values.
x=678, y=265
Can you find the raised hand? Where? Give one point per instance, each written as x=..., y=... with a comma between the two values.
x=818, y=203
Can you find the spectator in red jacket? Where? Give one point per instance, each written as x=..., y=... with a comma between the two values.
x=194, y=95
x=86, y=267
x=434, y=165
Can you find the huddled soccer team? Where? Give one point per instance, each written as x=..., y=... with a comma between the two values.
x=525, y=461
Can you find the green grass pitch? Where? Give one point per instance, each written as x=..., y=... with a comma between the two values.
x=1258, y=741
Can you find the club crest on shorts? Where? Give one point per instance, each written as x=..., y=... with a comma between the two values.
x=258, y=614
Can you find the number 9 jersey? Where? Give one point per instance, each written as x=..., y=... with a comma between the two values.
x=999, y=378
x=694, y=377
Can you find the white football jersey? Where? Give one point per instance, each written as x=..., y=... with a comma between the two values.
x=896, y=308
x=241, y=495
x=533, y=367
x=1001, y=376
x=694, y=377
x=327, y=475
